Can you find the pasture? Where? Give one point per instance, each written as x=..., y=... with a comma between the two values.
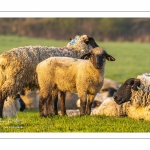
x=132, y=59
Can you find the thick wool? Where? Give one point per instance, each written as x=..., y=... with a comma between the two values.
x=137, y=108
x=17, y=66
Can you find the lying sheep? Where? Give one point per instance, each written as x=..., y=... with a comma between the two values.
x=12, y=105
x=133, y=98
x=84, y=77
x=137, y=92
x=100, y=97
x=17, y=66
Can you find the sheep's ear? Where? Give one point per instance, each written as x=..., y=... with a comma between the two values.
x=86, y=56
x=136, y=84
x=109, y=57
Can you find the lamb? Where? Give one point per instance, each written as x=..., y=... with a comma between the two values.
x=12, y=105
x=17, y=66
x=84, y=77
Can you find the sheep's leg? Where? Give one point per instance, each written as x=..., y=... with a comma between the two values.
x=83, y=101
x=55, y=105
x=51, y=104
x=89, y=103
x=1, y=105
x=42, y=106
x=62, y=102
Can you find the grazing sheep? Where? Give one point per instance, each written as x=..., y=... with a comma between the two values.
x=30, y=98
x=17, y=66
x=84, y=77
x=12, y=105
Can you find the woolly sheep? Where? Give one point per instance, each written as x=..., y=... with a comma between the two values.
x=133, y=98
x=12, y=105
x=84, y=77
x=17, y=66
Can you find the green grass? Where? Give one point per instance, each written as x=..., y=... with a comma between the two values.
x=132, y=59
x=9, y=42
x=29, y=121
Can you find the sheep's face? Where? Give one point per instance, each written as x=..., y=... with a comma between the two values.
x=98, y=57
x=91, y=42
x=85, y=39
x=22, y=104
x=124, y=93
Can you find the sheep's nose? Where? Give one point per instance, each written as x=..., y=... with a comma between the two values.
x=115, y=97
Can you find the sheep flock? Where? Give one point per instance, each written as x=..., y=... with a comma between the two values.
x=23, y=69
x=18, y=65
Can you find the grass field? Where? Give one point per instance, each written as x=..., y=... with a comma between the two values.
x=29, y=121
x=132, y=59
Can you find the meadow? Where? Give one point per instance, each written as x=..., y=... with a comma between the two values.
x=132, y=59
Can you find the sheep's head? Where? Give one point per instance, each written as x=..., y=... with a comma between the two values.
x=22, y=104
x=124, y=93
x=83, y=39
x=98, y=57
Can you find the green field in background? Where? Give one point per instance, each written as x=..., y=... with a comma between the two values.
x=132, y=58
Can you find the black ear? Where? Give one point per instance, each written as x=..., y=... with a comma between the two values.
x=136, y=84
x=109, y=57
x=86, y=56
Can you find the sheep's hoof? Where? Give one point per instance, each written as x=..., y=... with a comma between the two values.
x=43, y=115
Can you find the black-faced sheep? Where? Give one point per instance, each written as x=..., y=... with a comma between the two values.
x=84, y=77
x=17, y=66
x=133, y=98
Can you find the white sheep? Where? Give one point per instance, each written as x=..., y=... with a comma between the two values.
x=12, y=106
x=17, y=66
x=84, y=77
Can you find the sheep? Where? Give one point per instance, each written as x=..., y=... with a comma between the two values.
x=84, y=77
x=17, y=66
x=12, y=105
x=132, y=99
x=30, y=98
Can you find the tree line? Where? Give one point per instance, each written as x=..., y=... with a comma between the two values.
x=103, y=29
